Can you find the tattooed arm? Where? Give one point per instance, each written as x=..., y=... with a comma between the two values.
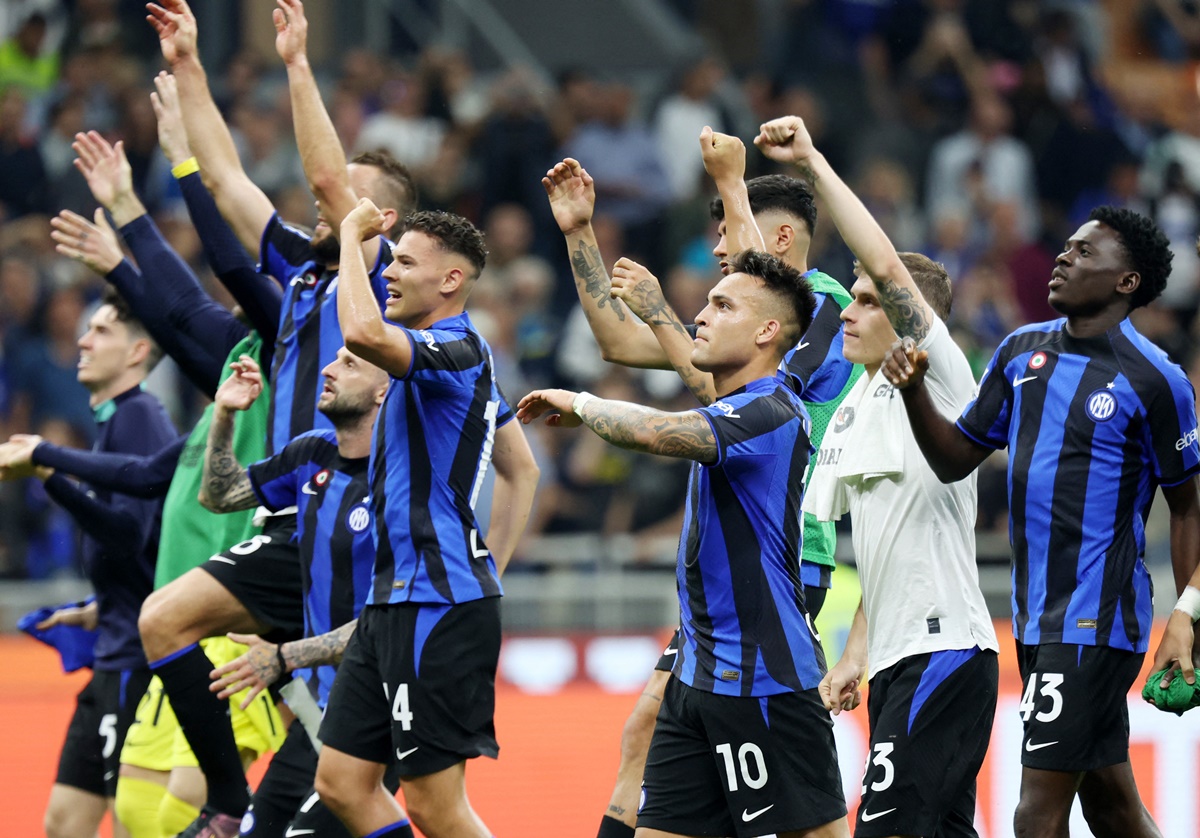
x=622, y=339
x=265, y=663
x=225, y=485
x=686, y=435
x=642, y=293
x=786, y=140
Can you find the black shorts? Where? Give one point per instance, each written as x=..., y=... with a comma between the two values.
x=814, y=598
x=716, y=767
x=104, y=710
x=1073, y=705
x=931, y=720
x=263, y=574
x=286, y=797
x=418, y=684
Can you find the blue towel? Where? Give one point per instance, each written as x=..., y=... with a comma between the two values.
x=75, y=644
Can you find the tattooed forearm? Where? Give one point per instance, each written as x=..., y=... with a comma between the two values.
x=225, y=485
x=907, y=313
x=699, y=384
x=325, y=648
x=684, y=435
x=648, y=303
x=589, y=269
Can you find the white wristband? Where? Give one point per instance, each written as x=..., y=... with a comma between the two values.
x=1189, y=603
x=580, y=400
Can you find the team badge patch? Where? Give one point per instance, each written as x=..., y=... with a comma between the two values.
x=321, y=477
x=1037, y=361
x=1101, y=406
x=358, y=518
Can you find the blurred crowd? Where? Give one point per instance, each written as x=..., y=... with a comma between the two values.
x=979, y=132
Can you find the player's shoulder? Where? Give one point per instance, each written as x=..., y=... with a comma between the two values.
x=319, y=444
x=144, y=408
x=1144, y=362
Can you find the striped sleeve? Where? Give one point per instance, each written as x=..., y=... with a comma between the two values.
x=276, y=479
x=1173, y=431
x=986, y=419
x=284, y=251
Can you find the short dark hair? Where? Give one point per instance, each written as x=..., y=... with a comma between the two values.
x=776, y=192
x=785, y=282
x=1145, y=245
x=124, y=314
x=396, y=188
x=932, y=281
x=455, y=234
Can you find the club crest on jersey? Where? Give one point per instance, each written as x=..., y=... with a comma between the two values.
x=427, y=336
x=308, y=279
x=1101, y=406
x=1037, y=361
x=359, y=518
x=321, y=477
x=727, y=409
x=843, y=419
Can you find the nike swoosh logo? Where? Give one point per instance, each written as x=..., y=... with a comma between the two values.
x=308, y=489
x=670, y=651
x=748, y=816
x=865, y=817
x=291, y=831
x=402, y=754
x=108, y=775
x=799, y=346
x=1017, y=382
x=1029, y=746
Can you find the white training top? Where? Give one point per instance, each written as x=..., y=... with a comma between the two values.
x=914, y=536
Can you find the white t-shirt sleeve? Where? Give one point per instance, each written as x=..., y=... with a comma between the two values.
x=949, y=379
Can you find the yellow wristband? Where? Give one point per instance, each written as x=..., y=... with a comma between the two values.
x=187, y=167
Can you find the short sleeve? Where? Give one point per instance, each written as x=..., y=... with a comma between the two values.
x=741, y=422
x=284, y=251
x=1173, y=433
x=444, y=357
x=276, y=480
x=816, y=368
x=949, y=379
x=986, y=419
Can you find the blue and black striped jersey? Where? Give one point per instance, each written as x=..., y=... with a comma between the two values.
x=309, y=334
x=432, y=447
x=1093, y=426
x=744, y=628
x=337, y=551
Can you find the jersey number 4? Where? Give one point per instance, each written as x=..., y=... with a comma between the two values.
x=400, y=711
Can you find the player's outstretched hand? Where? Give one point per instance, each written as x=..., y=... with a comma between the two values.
x=175, y=25
x=257, y=668
x=904, y=366
x=363, y=222
x=540, y=401
x=85, y=616
x=572, y=194
x=105, y=168
x=291, y=30
x=785, y=140
x=639, y=288
x=724, y=155
x=92, y=243
x=172, y=135
x=16, y=457
x=1175, y=650
x=839, y=688
x=240, y=390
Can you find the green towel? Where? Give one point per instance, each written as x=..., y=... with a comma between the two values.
x=1176, y=698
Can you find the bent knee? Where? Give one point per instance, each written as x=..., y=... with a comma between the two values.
x=335, y=791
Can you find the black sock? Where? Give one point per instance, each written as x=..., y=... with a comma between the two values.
x=400, y=829
x=205, y=722
x=610, y=827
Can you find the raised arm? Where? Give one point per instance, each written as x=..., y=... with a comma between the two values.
x=950, y=453
x=225, y=485
x=687, y=435
x=321, y=151
x=725, y=161
x=364, y=330
x=512, y=499
x=242, y=203
x=622, y=339
x=640, y=290
x=786, y=140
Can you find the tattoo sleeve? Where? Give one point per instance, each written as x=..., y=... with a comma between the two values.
x=684, y=435
x=589, y=267
x=225, y=485
x=908, y=313
x=651, y=306
x=325, y=648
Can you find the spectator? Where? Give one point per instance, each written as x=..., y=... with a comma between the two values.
x=678, y=122
x=26, y=60
x=23, y=186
